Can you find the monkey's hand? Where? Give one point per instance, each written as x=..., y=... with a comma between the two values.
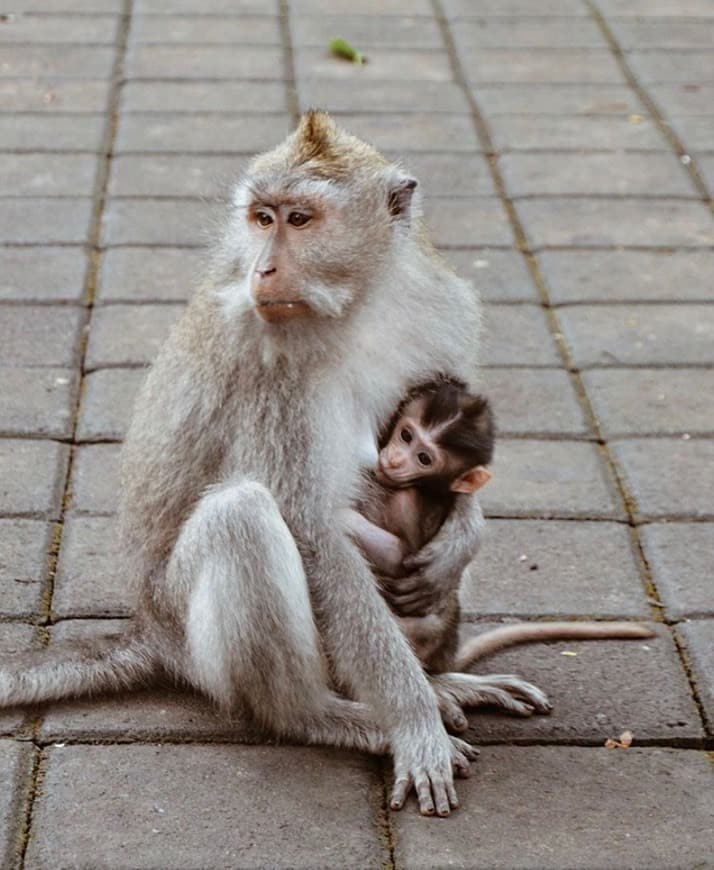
x=437, y=568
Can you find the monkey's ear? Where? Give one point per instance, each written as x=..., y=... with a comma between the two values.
x=399, y=200
x=471, y=480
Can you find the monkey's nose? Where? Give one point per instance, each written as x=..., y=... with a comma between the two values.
x=265, y=272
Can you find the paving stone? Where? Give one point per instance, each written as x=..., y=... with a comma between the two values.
x=157, y=714
x=15, y=768
x=576, y=133
x=688, y=66
x=41, y=221
x=707, y=165
x=367, y=31
x=453, y=175
x=679, y=556
x=213, y=7
x=668, y=477
x=107, y=403
x=697, y=134
x=242, y=30
x=627, y=276
x=149, y=274
x=84, y=61
x=658, y=8
x=499, y=276
x=606, y=687
x=214, y=96
x=37, y=402
x=557, y=99
x=547, y=479
x=384, y=63
x=575, y=806
x=641, y=335
x=203, y=61
x=581, y=222
x=388, y=96
x=546, y=66
x=647, y=33
x=529, y=31
x=414, y=132
x=155, y=222
x=617, y=174
x=684, y=99
x=40, y=335
x=173, y=175
x=235, y=134
x=47, y=174
x=467, y=221
x=699, y=639
x=24, y=545
x=38, y=28
x=469, y=8
x=145, y=818
x=68, y=6
x=534, y=568
x=533, y=401
x=517, y=335
x=29, y=132
x=32, y=475
x=91, y=580
x=128, y=335
x=366, y=7
x=42, y=274
x=53, y=95
x=651, y=401
x=95, y=479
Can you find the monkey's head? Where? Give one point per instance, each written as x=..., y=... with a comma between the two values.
x=442, y=439
x=315, y=222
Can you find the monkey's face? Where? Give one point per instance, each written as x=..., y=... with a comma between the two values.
x=412, y=453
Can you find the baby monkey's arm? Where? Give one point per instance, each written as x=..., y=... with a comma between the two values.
x=384, y=550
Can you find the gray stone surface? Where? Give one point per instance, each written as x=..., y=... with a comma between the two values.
x=30, y=132
x=367, y=31
x=651, y=401
x=202, y=62
x=384, y=63
x=155, y=222
x=687, y=66
x=24, y=545
x=586, y=223
x=147, y=817
x=94, y=486
x=550, y=479
x=699, y=639
x=501, y=65
x=498, y=275
x=15, y=765
x=16, y=638
x=617, y=174
x=84, y=61
x=32, y=475
x=239, y=30
x=684, y=98
x=42, y=275
x=467, y=8
x=577, y=133
x=577, y=808
x=642, y=335
x=128, y=335
x=44, y=221
x=529, y=31
x=40, y=335
x=648, y=33
x=107, y=401
x=534, y=568
x=627, y=276
x=534, y=402
x=75, y=29
x=90, y=580
x=517, y=335
x=416, y=131
x=671, y=9
x=173, y=174
x=679, y=556
x=208, y=7
x=435, y=172
x=557, y=99
x=57, y=95
x=202, y=96
x=149, y=274
x=47, y=174
x=389, y=96
x=669, y=477
x=468, y=221
x=697, y=133
x=37, y=402
x=707, y=166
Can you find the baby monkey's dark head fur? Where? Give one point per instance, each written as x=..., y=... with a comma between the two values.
x=463, y=423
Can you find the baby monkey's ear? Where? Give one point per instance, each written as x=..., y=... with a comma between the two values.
x=471, y=480
x=399, y=199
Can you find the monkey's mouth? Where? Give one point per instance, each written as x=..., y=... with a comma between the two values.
x=278, y=311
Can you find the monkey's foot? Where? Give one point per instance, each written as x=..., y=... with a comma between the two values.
x=458, y=691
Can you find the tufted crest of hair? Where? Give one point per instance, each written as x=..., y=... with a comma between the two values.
x=467, y=421
x=325, y=150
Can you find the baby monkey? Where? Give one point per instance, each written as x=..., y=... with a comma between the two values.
x=438, y=446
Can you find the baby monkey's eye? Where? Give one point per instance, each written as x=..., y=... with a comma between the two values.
x=263, y=219
x=406, y=436
x=298, y=219
x=424, y=458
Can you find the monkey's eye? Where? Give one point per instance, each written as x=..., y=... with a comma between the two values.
x=298, y=219
x=263, y=219
x=424, y=459
x=406, y=436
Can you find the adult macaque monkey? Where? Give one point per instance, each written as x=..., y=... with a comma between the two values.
x=325, y=306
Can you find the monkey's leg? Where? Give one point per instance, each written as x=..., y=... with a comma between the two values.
x=511, y=693
x=250, y=632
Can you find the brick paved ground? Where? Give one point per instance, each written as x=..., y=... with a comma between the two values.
x=567, y=152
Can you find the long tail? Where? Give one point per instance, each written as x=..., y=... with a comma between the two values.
x=110, y=663
x=531, y=632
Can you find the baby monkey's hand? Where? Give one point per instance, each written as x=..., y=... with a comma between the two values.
x=413, y=595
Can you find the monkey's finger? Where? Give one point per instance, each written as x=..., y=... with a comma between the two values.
x=424, y=557
x=400, y=790
x=424, y=796
x=405, y=585
x=452, y=715
x=451, y=794
x=414, y=604
x=465, y=749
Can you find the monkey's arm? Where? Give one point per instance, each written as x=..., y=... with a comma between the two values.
x=384, y=550
x=437, y=568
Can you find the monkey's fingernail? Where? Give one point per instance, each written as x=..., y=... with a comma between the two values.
x=460, y=723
